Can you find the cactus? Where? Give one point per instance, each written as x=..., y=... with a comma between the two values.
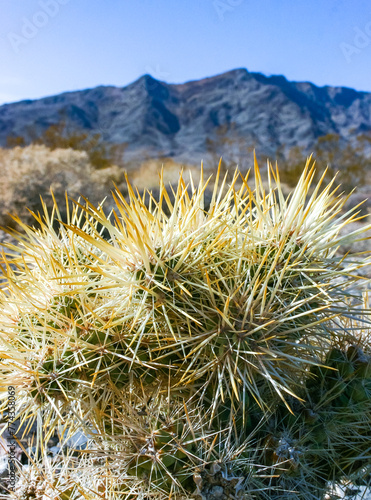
x=203, y=352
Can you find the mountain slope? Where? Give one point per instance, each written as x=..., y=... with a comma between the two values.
x=156, y=118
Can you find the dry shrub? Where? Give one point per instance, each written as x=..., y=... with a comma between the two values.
x=33, y=171
x=147, y=175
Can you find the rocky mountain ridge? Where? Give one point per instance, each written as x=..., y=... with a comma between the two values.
x=179, y=120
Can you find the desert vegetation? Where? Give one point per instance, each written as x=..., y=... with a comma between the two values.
x=31, y=172
x=60, y=136
x=349, y=160
x=64, y=158
x=215, y=352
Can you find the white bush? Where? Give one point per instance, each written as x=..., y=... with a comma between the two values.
x=30, y=172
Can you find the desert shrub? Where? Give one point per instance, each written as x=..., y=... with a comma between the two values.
x=101, y=154
x=231, y=146
x=32, y=172
x=350, y=161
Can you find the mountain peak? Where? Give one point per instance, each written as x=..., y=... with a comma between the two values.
x=147, y=78
x=153, y=88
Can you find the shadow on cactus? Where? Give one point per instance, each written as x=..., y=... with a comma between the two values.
x=204, y=351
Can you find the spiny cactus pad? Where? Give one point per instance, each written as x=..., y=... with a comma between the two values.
x=205, y=352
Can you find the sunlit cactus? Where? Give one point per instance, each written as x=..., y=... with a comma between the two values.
x=203, y=351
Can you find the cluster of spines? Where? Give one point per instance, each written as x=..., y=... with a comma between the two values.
x=229, y=306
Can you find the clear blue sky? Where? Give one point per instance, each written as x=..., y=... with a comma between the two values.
x=51, y=46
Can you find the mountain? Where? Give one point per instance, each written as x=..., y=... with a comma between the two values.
x=178, y=120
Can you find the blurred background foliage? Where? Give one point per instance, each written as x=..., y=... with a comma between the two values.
x=65, y=159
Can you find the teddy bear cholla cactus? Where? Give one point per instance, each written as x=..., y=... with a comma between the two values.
x=229, y=311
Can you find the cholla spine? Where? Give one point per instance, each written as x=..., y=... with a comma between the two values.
x=229, y=308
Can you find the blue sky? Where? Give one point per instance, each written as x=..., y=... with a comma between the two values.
x=51, y=46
